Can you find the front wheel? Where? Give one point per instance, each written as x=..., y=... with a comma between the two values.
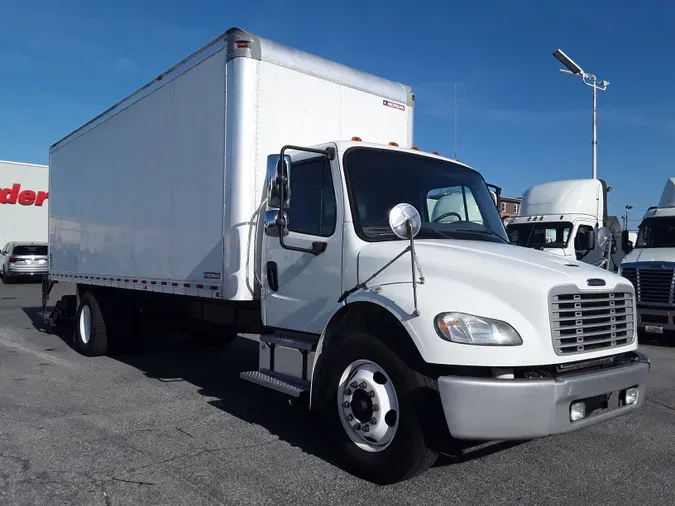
x=372, y=403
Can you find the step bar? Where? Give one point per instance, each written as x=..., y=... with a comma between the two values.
x=284, y=362
x=275, y=381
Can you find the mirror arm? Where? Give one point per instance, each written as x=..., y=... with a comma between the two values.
x=318, y=247
x=413, y=257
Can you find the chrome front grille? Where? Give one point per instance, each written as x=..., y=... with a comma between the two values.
x=590, y=321
x=653, y=284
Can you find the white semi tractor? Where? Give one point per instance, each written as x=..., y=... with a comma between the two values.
x=233, y=194
x=569, y=218
x=650, y=265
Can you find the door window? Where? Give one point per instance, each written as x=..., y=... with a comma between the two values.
x=313, y=208
x=583, y=229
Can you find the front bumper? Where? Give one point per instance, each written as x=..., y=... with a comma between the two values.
x=499, y=409
x=655, y=320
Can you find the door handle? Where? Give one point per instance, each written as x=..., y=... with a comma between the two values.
x=272, y=276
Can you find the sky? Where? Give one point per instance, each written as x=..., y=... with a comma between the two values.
x=519, y=121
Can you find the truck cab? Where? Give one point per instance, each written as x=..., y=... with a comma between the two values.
x=569, y=218
x=424, y=265
x=650, y=264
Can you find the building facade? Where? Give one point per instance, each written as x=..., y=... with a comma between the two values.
x=509, y=206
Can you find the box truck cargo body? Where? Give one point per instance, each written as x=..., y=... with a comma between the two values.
x=24, y=202
x=258, y=188
x=169, y=181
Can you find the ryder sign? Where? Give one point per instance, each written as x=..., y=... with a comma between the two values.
x=15, y=195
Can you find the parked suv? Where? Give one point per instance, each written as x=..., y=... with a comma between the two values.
x=19, y=259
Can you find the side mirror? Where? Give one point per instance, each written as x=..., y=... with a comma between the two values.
x=626, y=244
x=584, y=240
x=404, y=219
x=275, y=177
x=272, y=223
x=603, y=238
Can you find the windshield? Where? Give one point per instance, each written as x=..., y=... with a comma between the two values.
x=540, y=234
x=30, y=250
x=453, y=201
x=657, y=233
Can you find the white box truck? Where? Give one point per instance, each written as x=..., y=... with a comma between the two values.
x=650, y=265
x=569, y=218
x=24, y=202
x=223, y=198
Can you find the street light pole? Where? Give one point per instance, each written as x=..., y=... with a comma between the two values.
x=589, y=80
x=595, y=132
x=625, y=222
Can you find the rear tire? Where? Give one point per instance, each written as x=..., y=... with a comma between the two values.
x=395, y=449
x=91, y=336
x=5, y=278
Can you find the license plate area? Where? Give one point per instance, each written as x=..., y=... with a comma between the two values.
x=654, y=329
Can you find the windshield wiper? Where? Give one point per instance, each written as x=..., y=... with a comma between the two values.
x=434, y=231
x=481, y=231
x=378, y=231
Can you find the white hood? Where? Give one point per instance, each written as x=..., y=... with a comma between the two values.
x=650, y=255
x=501, y=281
x=496, y=263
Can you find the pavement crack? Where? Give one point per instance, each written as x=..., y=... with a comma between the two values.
x=207, y=451
x=184, y=432
x=661, y=404
x=137, y=482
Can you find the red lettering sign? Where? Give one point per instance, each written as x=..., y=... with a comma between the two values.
x=25, y=198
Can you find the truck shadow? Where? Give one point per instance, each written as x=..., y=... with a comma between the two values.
x=215, y=371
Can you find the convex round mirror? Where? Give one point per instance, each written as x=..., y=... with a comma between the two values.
x=602, y=238
x=400, y=215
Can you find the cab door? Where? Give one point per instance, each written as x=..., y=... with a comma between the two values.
x=301, y=289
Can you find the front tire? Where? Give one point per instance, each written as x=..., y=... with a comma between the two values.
x=372, y=403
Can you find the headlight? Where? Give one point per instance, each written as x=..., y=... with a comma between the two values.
x=468, y=329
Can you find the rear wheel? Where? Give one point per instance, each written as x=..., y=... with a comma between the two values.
x=91, y=336
x=5, y=278
x=372, y=406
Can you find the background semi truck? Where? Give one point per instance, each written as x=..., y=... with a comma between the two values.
x=24, y=202
x=233, y=194
x=650, y=264
x=569, y=218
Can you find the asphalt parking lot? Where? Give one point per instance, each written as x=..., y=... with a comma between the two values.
x=174, y=424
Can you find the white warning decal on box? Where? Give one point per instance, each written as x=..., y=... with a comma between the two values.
x=394, y=105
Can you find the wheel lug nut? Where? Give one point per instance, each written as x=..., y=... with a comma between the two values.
x=363, y=384
x=372, y=393
x=366, y=428
x=376, y=407
x=357, y=426
x=345, y=404
x=373, y=421
x=350, y=418
x=353, y=384
x=348, y=391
